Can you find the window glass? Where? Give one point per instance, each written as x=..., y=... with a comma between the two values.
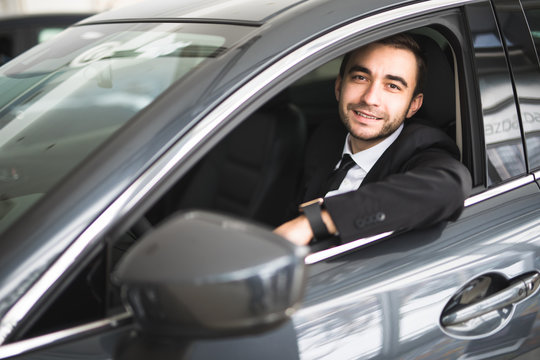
x=528, y=86
x=62, y=99
x=87, y=290
x=532, y=12
x=504, y=146
x=48, y=33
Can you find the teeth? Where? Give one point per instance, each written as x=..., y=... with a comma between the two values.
x=364, y=115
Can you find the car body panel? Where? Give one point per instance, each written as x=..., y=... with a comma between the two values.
x=375, y=296
x=124, y=342
x=231, y=10
x=206, y=10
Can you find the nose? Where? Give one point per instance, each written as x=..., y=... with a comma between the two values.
x=372, y=94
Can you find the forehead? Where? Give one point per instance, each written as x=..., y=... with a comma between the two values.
x=385, y=59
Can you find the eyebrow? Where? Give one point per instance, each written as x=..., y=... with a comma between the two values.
x=359, y=68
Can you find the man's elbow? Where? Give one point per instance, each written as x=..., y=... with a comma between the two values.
x=463, y=188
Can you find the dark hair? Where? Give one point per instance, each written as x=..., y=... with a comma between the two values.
x=399, y=41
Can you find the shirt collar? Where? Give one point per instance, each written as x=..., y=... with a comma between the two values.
x=367, y=158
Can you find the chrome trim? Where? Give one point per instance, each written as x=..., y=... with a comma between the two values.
x=21, y=347
x=341, y=249
x=168, y=161
x=537, y=175
x=501, y=189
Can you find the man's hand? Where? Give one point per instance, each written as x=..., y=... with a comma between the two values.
x=298, y=230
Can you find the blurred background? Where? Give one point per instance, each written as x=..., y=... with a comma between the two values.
x=26, y=23
x=12, y=7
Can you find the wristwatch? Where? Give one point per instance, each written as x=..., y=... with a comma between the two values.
x=312, y=210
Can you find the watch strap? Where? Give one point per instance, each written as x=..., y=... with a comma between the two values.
x=312, y=211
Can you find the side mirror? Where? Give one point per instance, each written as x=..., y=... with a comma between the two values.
x=202, y=274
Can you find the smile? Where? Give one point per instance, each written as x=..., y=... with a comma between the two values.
x=359, y=113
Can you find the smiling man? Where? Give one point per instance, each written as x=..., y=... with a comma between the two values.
x=376, y=173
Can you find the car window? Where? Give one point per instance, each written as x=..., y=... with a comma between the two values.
x=502, y=132
x=531, y=9
x=58, y=103
x=45, y=34
x=87, y=290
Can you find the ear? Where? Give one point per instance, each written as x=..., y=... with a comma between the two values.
x=416, y=103
x=337, y=88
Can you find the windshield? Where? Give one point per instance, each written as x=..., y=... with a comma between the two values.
x=62, y=99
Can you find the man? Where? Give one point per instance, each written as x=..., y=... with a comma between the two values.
x=402, y=176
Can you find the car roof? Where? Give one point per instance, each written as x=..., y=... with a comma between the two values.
x=229, y=10
x=234, y=11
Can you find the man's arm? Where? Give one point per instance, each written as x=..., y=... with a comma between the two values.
x=432, y=189
x=417, y=182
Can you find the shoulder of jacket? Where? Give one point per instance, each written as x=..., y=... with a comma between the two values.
x=422, y=136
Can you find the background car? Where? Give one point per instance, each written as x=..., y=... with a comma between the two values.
x=146, y=153
x=19, y=33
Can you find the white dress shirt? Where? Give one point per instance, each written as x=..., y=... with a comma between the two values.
x=364, y=161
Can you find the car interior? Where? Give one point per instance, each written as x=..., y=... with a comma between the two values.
x=251, y=173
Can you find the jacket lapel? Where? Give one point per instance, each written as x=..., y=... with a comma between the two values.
x=391, y=159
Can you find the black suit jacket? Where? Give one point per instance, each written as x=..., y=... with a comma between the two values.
x=417, y=182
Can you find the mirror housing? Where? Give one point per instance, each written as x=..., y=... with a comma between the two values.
x=204, y=275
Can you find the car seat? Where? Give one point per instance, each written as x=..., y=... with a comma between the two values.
x=252, y=172
x=439, y=107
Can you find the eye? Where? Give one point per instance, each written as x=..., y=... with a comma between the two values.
x=394, y=87
x=358, y=77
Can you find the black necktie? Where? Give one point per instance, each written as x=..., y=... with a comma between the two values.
x=337, y=176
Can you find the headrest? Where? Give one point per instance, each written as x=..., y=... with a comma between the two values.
x=439, y=107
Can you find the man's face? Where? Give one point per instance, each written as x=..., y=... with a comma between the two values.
x=375, y=94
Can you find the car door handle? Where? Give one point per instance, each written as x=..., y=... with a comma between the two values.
x=518, y=290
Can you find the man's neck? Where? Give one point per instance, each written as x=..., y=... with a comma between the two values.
x=358, y=145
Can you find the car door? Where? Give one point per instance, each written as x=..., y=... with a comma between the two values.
x=406, y=296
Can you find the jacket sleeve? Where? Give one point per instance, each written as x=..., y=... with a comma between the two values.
x=431, y=187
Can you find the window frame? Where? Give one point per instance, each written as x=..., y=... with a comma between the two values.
x=533, y=49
